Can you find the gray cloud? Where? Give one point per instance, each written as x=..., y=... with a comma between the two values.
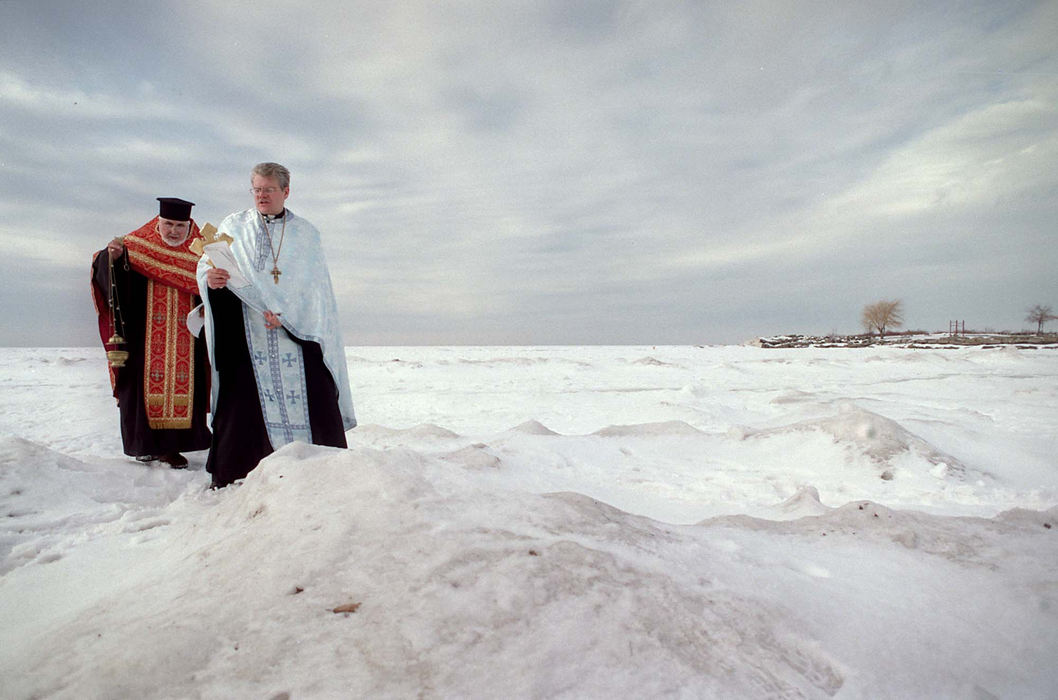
x=555, y=172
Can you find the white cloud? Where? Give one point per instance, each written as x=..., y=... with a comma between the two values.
x=994, y=152
x=41, y=100
x=460, y=158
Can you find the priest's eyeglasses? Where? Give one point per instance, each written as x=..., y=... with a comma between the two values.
x=264, y=190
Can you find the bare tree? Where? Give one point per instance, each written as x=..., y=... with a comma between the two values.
x=1040, y=315
x=883, y=315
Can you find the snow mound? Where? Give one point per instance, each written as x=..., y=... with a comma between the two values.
x=388, y=588
x=877, y=437
x=25, y=457
x=673, y=427
x=533, y=427
x=965, y=540
x=501, y=361
x=795, y=396
x=424, y=433
x=44, y=493
x=1047, y=519
x=510, y=563
x=423, y=430
x=474, y=457
x=429, y=430
x=803, y=503
x=652, y=362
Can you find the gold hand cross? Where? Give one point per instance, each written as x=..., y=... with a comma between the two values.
x=209, y=235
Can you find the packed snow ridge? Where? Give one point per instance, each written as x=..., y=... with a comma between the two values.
x=554, y=522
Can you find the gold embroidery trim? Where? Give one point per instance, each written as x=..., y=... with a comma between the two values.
x=166, y=250
x=138, y=257
x=169, y=401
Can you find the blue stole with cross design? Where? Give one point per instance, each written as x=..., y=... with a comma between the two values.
x=279, y=368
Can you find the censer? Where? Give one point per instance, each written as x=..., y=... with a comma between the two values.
x=116, y=357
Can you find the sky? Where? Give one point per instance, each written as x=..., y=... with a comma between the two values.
x=556, y=172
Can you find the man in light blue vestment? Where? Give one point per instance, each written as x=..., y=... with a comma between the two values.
x=279, y=370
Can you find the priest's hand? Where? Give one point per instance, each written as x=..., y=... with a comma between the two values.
x=272, y=321
x=217, y=278
x=116, y=248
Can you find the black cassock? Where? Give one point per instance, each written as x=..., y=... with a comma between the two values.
x=240, y=439
x=137, y=435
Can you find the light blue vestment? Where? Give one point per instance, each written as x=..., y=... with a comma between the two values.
x=304, y=300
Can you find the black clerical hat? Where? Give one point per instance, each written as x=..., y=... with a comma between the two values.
x=174, y=209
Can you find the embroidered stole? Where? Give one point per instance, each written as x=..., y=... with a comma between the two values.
x=279, y=368
x=169, y=348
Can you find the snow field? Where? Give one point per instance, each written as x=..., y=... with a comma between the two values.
x=552, y=522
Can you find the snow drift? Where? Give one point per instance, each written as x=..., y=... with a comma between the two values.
x=724, y=545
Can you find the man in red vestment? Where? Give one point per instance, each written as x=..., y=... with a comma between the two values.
x=144, y=287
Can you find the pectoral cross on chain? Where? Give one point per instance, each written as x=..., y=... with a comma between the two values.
x=275, y=274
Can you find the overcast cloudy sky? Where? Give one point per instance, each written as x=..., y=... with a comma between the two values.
x=552, y=172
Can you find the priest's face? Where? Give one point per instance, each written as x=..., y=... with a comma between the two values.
x=268, y=195
x=174, y=233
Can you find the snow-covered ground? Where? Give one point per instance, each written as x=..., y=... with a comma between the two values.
x=552, y=522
